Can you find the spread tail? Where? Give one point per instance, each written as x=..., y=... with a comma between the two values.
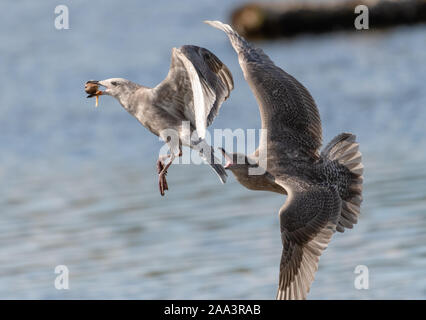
x=343, y=150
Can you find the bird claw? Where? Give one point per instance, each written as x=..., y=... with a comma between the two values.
x=160, y=166
x=162, y=182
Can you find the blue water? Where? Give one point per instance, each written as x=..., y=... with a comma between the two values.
x=78, y=185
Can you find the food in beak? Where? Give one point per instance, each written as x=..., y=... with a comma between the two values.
x=93, y=90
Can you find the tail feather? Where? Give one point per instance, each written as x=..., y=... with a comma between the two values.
x=220, y=171
x=343, y=150
x=207, y=154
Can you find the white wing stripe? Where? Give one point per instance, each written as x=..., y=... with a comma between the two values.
x=199, y=102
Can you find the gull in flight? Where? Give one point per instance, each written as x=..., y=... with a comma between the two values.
x=324, y=189
x=193, y=91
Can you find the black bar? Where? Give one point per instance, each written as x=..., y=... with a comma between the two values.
x=215, y=309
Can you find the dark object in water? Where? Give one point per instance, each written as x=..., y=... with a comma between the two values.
x=260, y=20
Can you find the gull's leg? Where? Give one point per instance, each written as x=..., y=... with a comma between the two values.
x=160, y=162
x=162, y=182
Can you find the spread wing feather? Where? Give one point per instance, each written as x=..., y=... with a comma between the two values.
x=287, y=109
x=308, y=220
x=196, y=86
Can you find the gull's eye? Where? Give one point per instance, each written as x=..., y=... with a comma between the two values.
x=114, y=83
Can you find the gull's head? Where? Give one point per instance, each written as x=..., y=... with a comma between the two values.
x=115, y=87
x=238, y=163
x=119, y=88
x=246, y=171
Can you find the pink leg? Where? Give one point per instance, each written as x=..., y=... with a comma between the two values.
x=162, y=182
x=162, y=172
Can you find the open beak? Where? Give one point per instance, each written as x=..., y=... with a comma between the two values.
x=228, y=159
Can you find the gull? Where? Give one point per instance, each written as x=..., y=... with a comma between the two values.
x=193, y=91
x=324, y=189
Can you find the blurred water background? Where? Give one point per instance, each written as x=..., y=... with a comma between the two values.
x=78, y=185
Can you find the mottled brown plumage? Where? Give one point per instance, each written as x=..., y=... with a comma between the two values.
x=323, y=190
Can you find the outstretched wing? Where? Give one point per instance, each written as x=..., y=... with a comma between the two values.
x=308, y=220
x=287, y=110
x=195, y=88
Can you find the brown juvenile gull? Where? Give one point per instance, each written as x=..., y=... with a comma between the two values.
x=323, y=189
x=195, y=88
